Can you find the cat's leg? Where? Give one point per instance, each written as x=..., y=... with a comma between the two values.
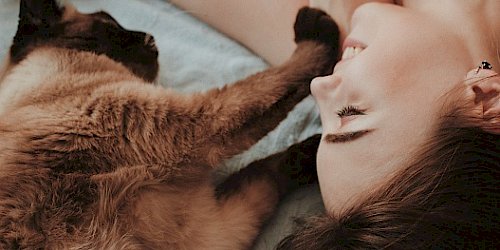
x=296, y=166
x=180, y=213
x=244, y=112
x=248, y=197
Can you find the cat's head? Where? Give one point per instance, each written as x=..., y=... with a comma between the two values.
x=48, y=23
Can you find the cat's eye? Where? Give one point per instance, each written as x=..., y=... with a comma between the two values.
x=80, y=38
x=349, y=110
x=106, y=18
x=398, y=2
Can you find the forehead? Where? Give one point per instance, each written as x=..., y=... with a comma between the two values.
x=84, y=21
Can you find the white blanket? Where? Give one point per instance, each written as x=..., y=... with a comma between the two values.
x=194, y=57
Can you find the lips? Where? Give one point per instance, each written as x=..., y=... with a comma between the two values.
x=351, y=42
x=351, y=48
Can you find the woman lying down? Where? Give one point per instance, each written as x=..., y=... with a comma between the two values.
x=408, y=158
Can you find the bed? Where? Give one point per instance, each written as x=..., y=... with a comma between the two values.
x=195, y=57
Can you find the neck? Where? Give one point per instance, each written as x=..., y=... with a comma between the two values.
x=52, y=66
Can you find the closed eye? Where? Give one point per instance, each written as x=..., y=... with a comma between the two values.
x=349, y=110
x=106, y=18
x=398, y=2
x=83, y=38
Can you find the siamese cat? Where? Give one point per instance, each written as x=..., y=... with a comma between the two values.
x=94, y=156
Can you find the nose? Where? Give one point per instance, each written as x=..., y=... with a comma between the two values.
x=143, y=39
x=322, y=86
x=149, y=41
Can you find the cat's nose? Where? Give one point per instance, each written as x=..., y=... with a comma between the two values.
x=149, y=41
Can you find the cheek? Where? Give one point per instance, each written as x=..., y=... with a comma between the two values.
x=324, y=159
x=347, y=172
x=326, y=177
x=383, y=73
x=342, y=176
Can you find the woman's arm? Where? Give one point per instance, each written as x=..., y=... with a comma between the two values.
x=263, y=26
x=266, y=26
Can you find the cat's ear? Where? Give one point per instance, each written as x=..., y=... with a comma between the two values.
x=40, y=13
x=484, y=92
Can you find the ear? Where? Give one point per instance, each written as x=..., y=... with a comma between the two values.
x=485, y=93
x=40, y=13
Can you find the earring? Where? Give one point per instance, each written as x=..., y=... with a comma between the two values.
x=484, y=65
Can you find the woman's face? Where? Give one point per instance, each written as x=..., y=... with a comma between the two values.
x=383, y=99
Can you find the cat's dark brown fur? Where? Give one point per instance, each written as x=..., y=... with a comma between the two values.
x=94, y=157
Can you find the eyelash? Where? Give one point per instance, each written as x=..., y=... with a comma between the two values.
x=349, y=110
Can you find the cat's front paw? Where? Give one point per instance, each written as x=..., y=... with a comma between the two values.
x=300, y=161
x=316, y=25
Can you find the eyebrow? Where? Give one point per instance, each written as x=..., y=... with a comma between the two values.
x=345, y=137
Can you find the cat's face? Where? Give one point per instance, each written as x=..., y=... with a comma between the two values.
x=45, y=23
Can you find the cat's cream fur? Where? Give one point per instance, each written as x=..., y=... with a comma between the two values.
x=93, y=156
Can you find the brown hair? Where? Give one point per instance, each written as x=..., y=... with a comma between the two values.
x=448, y=198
